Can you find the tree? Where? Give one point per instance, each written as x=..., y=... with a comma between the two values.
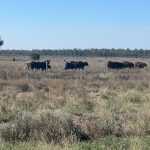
x=1, y=42
x=35, y=56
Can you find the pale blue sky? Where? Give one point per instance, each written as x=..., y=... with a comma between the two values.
x=52, y=24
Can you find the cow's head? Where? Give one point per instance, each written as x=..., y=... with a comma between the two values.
x=86, y=64
x=109, y=62
x=49, y=67
x=48, y=61
x=144, y=64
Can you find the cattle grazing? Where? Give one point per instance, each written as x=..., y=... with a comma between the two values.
x=115, y=65
x=76, y=65
x=140, y=64
x=14, y=59
x=128, y=64
x=82, y=64
x=120, y=65
x=29, y=65
x=70, y=65
x=39, y=65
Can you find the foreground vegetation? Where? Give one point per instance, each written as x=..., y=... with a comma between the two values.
x=113, y=143
x=96, y=108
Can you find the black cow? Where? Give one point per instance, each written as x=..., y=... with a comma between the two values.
x=120, y=65
x=75, y=65
x=29, y=65
x=128, y=64
x=140, y=64
x=115, y=65
x=82, y=64
x=39, y=65
x=71, y=65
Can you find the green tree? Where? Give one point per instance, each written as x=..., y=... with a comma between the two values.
x=1, y=42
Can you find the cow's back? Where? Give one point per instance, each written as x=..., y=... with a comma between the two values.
x=140, y=64
x=115, y=65
x=38, y=65
x=128, y=64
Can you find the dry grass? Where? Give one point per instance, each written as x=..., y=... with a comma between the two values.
x=70, y=105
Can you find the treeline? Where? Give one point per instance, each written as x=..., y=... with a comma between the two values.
x=137, y=53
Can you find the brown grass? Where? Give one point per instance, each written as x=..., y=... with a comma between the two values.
x=73, y=105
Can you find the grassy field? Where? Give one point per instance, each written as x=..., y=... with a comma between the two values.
x=97, y=108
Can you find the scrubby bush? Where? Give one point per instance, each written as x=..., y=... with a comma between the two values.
x=46, y=125
x=24, y=86
x=35, y=56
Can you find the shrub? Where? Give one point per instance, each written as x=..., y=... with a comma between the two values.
x=24, y=86
x=84, y=106
x=1, y=42
x=35, y=56
x=6, y=117
x=45, y=125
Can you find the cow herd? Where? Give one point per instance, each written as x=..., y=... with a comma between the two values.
x=77, y=65
x=125, y=64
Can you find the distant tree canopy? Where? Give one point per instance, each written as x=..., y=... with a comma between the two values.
x=1, y=42
x=93, y=52
x=35, y=56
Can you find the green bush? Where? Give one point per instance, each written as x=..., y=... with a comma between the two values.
x=84, y=106
x=45, y=125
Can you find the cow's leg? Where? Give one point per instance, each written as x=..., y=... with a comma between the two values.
x=43, y=69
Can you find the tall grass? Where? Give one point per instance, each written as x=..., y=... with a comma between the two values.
x=74, y=106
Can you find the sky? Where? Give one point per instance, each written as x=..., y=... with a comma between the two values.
x=58, y=24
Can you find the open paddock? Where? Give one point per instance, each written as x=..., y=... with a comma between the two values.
x=82, y=105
